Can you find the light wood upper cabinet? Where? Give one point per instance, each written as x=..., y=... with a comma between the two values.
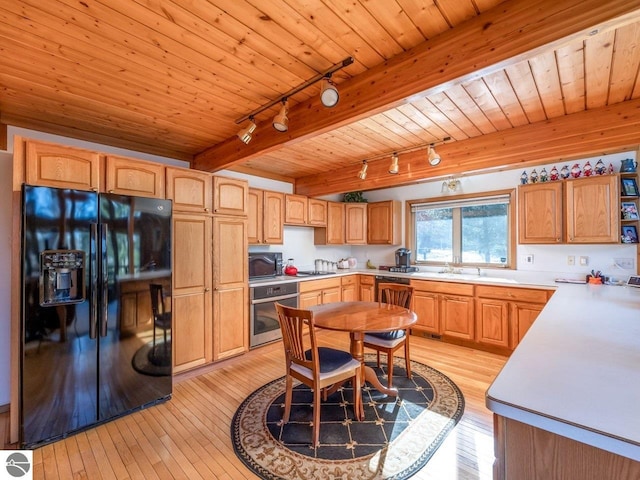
x=355, y=221
x=317, y=212
x=126, y=176
x=540, y=213
x=592, y=210
x=51, y=165
x=229, y=252
x=190, y=190
x=295, y=210
x=384, y=223
x=230, y=196
x=265, y=216
x=333, y=234
x=191, y=292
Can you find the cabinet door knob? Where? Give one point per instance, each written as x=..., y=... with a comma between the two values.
x=95, y=189
x=110, y=191
x=206, y=209
x=207, y=289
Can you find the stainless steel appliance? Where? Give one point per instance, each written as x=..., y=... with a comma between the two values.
x=264, y=264
x=264, y=325
x=87, y=334
x=383, y=279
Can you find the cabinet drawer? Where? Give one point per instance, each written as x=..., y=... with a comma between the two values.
x=349, y=280
x=448, y=288
x=531, y=295
x=366, y=280
x=312, y=285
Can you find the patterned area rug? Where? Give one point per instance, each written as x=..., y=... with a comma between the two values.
x=396, y=439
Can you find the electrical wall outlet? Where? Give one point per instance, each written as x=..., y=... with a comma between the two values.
x=529, y=258
x=584, y=261
x=571, y=260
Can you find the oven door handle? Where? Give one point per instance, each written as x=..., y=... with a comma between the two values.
x=274, y=299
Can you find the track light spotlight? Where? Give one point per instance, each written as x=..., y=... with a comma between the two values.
x=363, y=171
x=245, y=134
x=281, y=121
x=329, y=95
x=434, y=158
x=394, y=168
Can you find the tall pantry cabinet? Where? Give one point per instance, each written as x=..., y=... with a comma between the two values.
x=192, y=195
x=230, y=269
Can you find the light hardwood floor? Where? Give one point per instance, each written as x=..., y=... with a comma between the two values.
x=188, y=437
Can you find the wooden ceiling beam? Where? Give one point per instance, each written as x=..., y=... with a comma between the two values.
x=589, y=133
x=495, y=39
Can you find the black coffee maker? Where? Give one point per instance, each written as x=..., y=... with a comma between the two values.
x=403, y=257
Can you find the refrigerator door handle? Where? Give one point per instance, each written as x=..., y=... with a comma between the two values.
x=93, y=258
x=104, y=278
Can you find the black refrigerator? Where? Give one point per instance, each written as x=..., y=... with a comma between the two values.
x=96, y=309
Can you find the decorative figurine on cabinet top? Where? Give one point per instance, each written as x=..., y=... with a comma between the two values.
x=600, y=169
x=554, y=175
x=533, y=178
x=524, y=178
x=564, y=172
x=610, y=170
x=587, y=170
x=544, y=177
x=575, y=171
x=628, y=165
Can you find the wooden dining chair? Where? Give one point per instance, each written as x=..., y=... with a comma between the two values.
x=317, y=367
x=389, y=342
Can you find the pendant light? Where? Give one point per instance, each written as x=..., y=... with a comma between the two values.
x=281, y=121
x=394, y=168
x=434, y=158
x=363, y=171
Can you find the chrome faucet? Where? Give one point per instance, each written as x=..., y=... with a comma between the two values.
x=479, y=271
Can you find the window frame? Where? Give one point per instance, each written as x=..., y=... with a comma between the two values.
x=511, y=225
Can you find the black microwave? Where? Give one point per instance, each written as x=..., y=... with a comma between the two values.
x=265, y=264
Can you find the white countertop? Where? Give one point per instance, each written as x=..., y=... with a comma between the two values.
x=576, y=373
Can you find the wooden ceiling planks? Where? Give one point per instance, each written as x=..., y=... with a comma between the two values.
x=170, y=77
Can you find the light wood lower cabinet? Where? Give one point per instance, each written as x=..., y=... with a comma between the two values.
x=319, y=292
x=526, y=452
x=231, y=290
x=504, y=314
x=444, y=308
x=191, y=293
x=367, y=286
x=231, y=322
x=425, y=304
x=349, y=288
x=456, y=316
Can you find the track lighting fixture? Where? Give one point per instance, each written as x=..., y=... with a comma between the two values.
x=363, y=171
x=245, y=134
x=394, y=168
x=329, y=95
x=281, y=121
x=434, y=158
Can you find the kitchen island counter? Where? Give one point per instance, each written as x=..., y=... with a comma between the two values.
x=576, y=373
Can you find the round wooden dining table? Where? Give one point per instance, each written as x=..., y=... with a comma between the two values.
x=357, y=318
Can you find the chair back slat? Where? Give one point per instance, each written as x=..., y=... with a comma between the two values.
x=396, y=294
x=298, y=335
